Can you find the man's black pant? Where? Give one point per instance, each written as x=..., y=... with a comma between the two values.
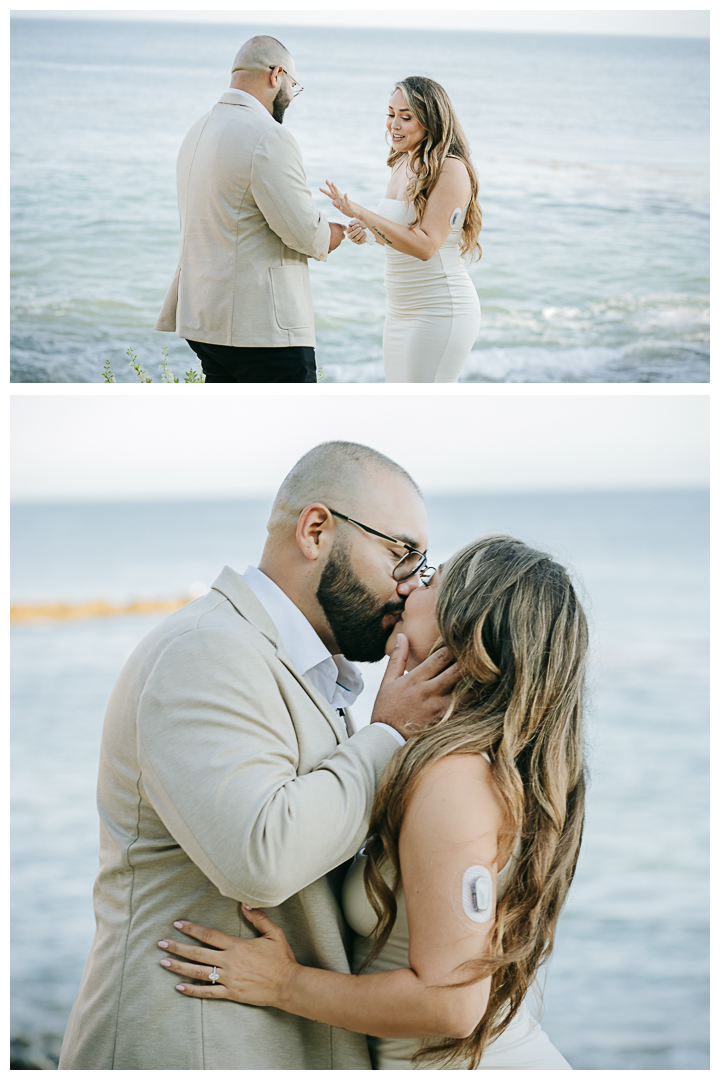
x=227, y=363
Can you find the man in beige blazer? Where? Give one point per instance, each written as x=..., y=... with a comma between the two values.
x=241, y=291
x=231, y=771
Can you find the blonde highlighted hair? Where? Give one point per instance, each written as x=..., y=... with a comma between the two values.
x=430, y=105
x=510, y=616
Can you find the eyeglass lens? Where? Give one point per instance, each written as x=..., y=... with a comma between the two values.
x=295, y=87
x=410, y=564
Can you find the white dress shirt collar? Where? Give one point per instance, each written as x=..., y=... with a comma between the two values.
x=337, y=679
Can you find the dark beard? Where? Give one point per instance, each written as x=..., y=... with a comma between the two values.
x=280, y=104
x=351, y=609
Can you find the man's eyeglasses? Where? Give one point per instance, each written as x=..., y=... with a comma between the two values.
x=296, y=87
x=412, y=563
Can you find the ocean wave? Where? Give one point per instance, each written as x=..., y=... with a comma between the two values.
x=624, y=318
x=627, y=338
x=635, y=362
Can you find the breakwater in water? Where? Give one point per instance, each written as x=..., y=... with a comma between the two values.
x=91, y=609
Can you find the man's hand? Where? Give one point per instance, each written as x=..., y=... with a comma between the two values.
x=337, y=235
x=409, y=702
x=357, y=232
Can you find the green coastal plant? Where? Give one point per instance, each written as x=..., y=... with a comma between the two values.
x=321, y=375
x=166, y=374
x=140, y=373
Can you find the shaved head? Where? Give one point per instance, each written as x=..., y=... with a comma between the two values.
x=261, y=53
x=338, y=574
x=337, y=474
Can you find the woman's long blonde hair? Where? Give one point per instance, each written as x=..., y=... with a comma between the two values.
x=430, y=104
x=511, y=617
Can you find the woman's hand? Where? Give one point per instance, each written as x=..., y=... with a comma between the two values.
x=340, y=201
x=357, y=232
x=255, y=971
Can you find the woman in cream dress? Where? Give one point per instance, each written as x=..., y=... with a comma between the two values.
x=428, y=222
x=474, y=836
x=523, y=1045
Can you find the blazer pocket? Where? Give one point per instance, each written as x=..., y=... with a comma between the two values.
x=291, y=297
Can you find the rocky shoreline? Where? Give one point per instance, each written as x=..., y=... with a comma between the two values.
x=34, y=1051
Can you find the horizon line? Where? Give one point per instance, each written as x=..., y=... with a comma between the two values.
x=186, y=19
x=100, y=500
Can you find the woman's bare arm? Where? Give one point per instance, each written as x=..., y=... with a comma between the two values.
x=425, y=239
x=453, y=819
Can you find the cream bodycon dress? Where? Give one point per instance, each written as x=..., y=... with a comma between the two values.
x=433, y=311
x=523, y=1044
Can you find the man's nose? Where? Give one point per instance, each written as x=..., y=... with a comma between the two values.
x=404, y=588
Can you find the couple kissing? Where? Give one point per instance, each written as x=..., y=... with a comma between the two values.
x=280, y=889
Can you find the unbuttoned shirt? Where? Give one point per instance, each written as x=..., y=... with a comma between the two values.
x=337, y=679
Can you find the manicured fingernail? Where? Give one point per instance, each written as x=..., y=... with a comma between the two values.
x=247, y=907
x=165, y=963
x=178, y=924
x=180, y=987
x=163, y=944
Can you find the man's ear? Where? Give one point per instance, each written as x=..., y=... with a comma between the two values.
x=315, y=531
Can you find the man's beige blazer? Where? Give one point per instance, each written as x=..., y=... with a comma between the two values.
x=224, y=777
x=247, y=225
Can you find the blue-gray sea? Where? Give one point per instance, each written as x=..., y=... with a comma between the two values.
x=627, y=987
x=592, y=154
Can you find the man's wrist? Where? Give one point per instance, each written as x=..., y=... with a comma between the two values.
x=393, y=731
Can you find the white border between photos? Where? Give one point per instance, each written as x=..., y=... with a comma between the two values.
x=332, y=390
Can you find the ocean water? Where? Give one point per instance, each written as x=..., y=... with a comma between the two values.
x=627, y=987
x=592, y=154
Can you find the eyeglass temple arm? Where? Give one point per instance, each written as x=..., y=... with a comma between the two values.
x=383, y=536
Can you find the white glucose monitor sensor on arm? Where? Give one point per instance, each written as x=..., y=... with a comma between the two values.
x=477, y=893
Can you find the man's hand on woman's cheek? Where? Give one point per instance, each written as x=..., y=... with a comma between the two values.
x=408, y=702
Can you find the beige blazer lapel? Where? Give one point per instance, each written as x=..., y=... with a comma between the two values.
x=324, y=706
x=350, y=722
x=243, y=599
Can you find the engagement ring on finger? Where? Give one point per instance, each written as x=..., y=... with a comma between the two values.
x=213, y=976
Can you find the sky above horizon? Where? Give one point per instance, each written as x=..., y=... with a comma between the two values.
x=151, y=445
x=665, y=23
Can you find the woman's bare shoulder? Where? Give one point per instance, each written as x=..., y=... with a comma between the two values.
x=458, y=767
x=452, y=787
x=455, y=169
x=454, y=177
x=455, y=164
